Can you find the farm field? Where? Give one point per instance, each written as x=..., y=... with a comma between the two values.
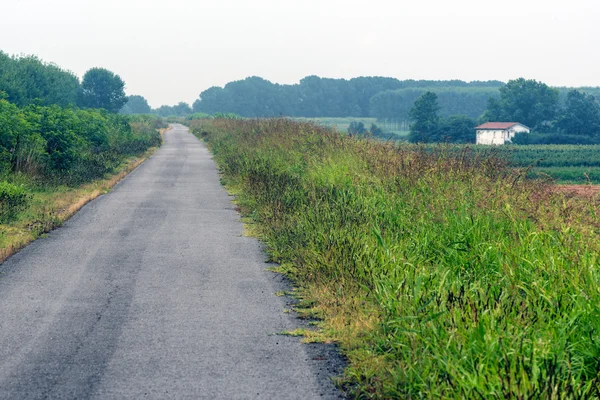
x=440, y=274
x=342, y=124
x=561, y=163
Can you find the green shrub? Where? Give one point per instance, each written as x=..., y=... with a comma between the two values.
x=68, y=145
x=13, y=199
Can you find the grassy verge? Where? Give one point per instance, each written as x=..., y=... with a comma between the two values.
x=441, y=275
x=51, y=205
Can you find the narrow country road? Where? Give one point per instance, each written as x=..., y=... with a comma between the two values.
x=152, y=292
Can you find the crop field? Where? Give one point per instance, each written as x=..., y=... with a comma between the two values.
x=440, y=274
x=561, y=163
x=342, y=124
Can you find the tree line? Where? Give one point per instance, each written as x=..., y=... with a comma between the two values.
x=576, y=120
x=460, y=105
x=55, y=129
x=26, y=80
x=324, y=97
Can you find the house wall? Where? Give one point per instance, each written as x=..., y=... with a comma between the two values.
x=499, y=136
x=485, y=136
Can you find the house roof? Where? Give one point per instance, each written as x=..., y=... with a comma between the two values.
x=498, y=125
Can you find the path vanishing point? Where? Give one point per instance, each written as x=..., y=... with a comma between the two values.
x=151, y=291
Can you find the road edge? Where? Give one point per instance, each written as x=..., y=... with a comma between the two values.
x=65, y=214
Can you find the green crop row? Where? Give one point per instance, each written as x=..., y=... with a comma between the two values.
x=440, y=274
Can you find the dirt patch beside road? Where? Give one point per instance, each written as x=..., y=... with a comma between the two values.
x=582, y=190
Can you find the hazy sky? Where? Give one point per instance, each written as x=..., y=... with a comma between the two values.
x=170, y=51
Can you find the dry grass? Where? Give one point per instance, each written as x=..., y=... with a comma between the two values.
x=582, y=190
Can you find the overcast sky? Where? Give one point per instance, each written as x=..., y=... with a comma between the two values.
x=170, y=51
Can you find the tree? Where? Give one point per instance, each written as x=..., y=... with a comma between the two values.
x=136, y=105
x=424, y=115
x=182, y=109
x=356, y=128
x=581, y=115
x=102, y=88
x=456, y=129
x=374, y=130
x=529, y=102
x=29, y=80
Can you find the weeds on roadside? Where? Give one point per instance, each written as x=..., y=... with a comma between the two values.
x=441, y=274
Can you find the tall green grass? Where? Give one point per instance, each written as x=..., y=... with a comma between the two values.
x=451, y=274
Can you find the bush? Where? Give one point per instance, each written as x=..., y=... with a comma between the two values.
x=69, y=145
x=198, y=115
x=13, y=199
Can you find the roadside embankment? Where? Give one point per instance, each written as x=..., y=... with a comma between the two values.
x=440, y=275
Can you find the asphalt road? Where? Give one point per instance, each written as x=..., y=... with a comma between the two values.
x=151, y=291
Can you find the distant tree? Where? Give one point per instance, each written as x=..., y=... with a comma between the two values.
x=182, y=109
x=375, y=130
x=164, y=111
x=197, y=106
x=102, y=88
x=28, y=80
x=179, y=110
x=424, y=115
x=136, y=105
x=456, y=129
x=581, y=115
x=529, y=102
x=356, y=128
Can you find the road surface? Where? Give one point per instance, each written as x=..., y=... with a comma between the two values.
x=151, y=291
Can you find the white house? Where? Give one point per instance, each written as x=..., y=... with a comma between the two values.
x=499, y=132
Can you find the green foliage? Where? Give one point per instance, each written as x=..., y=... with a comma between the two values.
x=552, y=138
x=459, y=100
x=552, y=155
x=563, y=163
x=581, y=115
x=182, y=109
x=323, y=97
x=526, y=101
x=28, y=80
x=102, y=88
x=357, y=128
x=571, y=175
x=456, y=129
x=68, y=145
x=424, y=115
x=198, y=115
x=375, y=131
x=481, y=284
x=227, y=116
x=136, y=105
x=13, y=199
x=152, y=120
